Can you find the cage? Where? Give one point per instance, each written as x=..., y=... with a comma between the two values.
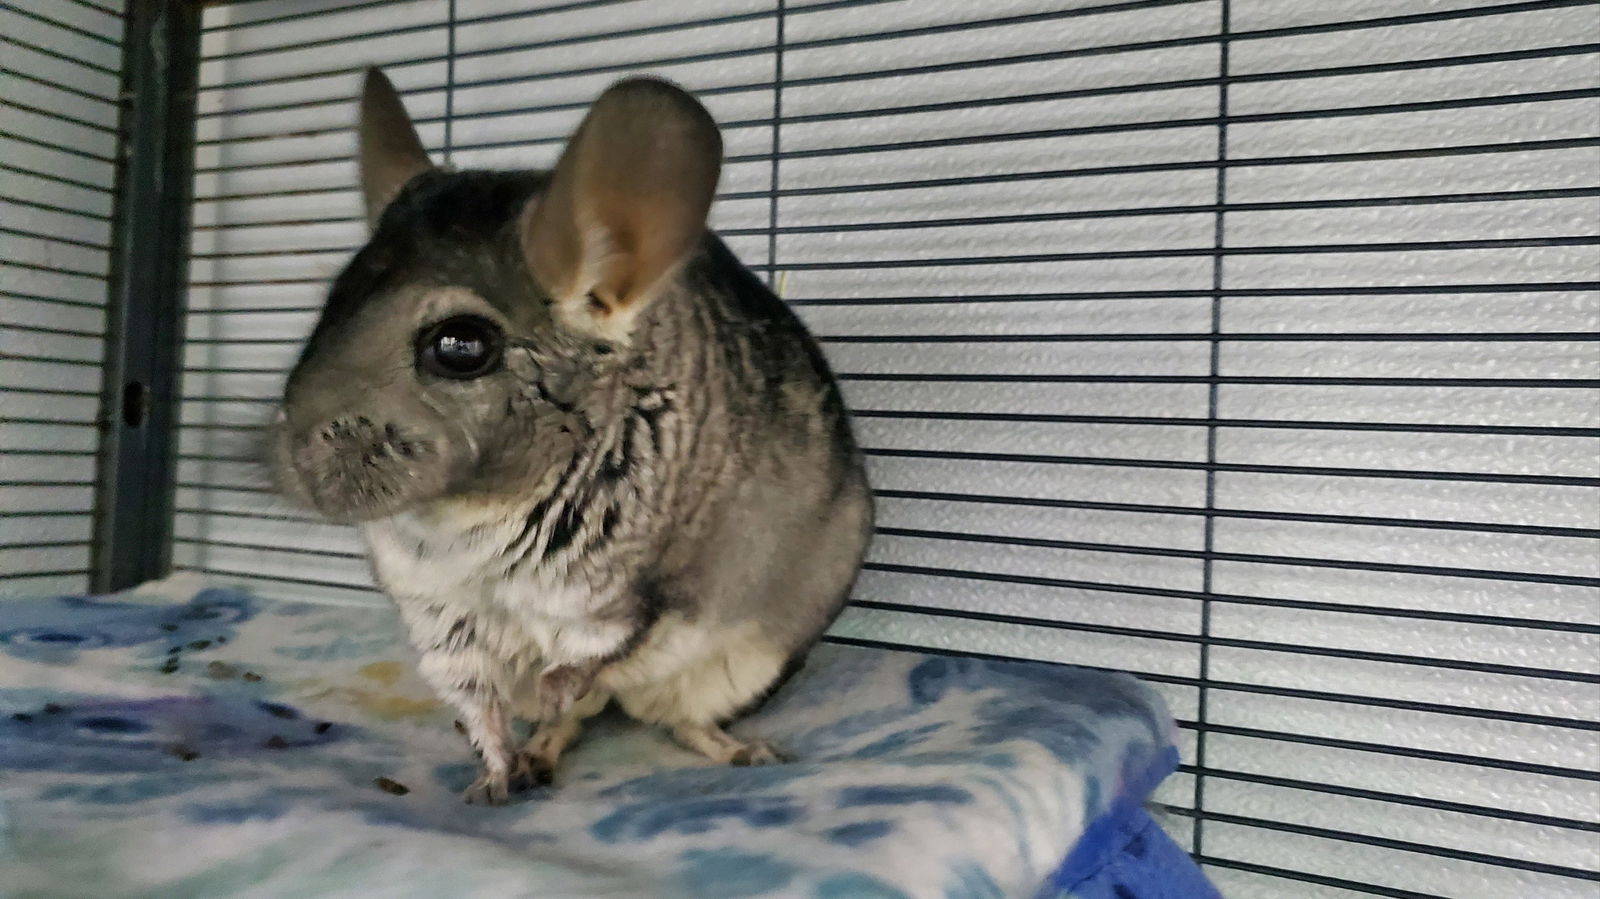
x=1249, y=346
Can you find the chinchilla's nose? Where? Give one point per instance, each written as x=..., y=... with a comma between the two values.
x=351, y=467
x=352, y=439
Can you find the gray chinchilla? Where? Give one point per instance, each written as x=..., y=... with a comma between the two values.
x=593, y=457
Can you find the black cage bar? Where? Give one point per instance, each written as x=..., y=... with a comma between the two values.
x=144, y=332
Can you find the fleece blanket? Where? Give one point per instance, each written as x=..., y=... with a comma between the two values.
x=181, y=740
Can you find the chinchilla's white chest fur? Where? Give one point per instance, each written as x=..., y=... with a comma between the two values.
x=449, y=566
x=443, y=570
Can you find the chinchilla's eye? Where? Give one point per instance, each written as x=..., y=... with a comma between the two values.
x=460, y=348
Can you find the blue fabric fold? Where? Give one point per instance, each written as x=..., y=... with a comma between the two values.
x=182, y=739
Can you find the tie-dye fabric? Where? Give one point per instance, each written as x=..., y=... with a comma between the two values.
x=179, y=741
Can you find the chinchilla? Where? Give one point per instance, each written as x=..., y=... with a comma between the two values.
x=592, y=456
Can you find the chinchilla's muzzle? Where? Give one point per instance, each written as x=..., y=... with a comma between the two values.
x=352, y=468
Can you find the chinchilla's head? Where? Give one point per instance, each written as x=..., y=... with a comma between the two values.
x=456, y=346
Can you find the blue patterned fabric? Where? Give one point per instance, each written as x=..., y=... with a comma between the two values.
x=1134, y=859
x=185, y=741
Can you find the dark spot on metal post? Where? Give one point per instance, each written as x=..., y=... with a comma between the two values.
x=134, y=403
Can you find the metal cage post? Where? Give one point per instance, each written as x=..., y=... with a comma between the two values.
x=144, y=340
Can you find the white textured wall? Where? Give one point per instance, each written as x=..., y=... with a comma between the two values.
x=1401, y=655
x=60, y=65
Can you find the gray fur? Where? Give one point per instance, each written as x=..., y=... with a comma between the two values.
x=668, y=514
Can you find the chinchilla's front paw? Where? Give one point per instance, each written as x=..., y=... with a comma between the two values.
x=530, y=772
x=527, y=772
x=756, y=752
x=491, y=788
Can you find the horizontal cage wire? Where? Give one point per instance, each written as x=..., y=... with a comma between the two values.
x=1251, y=347
x=61, y=67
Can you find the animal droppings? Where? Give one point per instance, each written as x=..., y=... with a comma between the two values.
x=251, y=676
x=276, y=742
x=182, y=753
x=392, y=787
x=322, y=726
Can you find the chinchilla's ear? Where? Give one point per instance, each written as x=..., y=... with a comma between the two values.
x=390, y=151
x=625, y=205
